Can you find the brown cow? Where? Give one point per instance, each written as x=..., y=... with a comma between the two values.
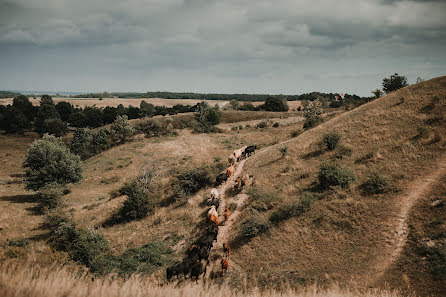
x=226, y=249
x=214, y=219
x=226, y=214
x=224, y=266
x=230, y=171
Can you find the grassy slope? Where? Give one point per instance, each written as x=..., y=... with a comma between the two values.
x=89, y=201
x=340, y=237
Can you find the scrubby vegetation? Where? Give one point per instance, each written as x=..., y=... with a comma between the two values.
x=331, y=140
x=331, y=175
x=49, y=197
x=90, y=248
x=207, y=117
x=262, y=200
x=376, y=184
x=293, y=209
x=254, y=225
x=312, y=114
x=50, y=161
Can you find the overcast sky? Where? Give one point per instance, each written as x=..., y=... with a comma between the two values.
x=231, y=46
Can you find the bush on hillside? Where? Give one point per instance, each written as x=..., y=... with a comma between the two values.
x=64, y=109
x=293, y=209
x=153, y=128
x=312, y=114
x=54, y=127
x=331, y=175
x=47, y=110
x=78, y=119
x=342, y=152
x=206, y=117
x=262, y=200
x=283, y=151
x=331, y=140
x=394, y=82
x=254, y=226
x=296, y=133
x=247, y=106
x=12, y=120
x=121, y=129
x=191, y=181
x=23, y=104
x=262, y=124
x=137, y=205
x=376, y=184
x=274, y=104
x=50, y=161
x=49, y=197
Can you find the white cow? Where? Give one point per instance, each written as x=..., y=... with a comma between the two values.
x=212, y=212
x=214, y=193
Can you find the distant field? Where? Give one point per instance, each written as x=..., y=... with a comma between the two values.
x=80, y=102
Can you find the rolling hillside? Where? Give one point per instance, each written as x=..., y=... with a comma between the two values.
x=348, y=236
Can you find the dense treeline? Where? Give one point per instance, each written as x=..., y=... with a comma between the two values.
x=211, y=96
x=54, y=119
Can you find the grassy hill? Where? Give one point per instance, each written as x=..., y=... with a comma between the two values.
x=304, y=233
x=347, y=236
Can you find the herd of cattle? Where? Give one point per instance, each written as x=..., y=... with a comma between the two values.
x=197, y=255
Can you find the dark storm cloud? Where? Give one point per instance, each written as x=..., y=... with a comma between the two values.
x=208, y=45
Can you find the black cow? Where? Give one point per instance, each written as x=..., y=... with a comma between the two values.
x=173, y=270
x=187, y=264
x=249, y=150
x=212, y=229
x=197, y=269
x=204, y=253
x=221, y=178
x=192, y=252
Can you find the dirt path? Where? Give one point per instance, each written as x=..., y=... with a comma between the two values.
x=396, y=236
x=214, y=267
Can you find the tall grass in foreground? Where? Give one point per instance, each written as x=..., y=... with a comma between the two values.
x=21, y=281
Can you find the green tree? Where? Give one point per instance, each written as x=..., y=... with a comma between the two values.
x=121, y=129
x=23, y=104
x=94, y=117
x=81, y=143
x=54, y=127
x=50, y=161
x=78, y=119
x=64, y=109
x=312, y=114
x=207, y=117
x=13, y=120
x=275, y=104
x=47, y=110
x=234, y=104
x=147, y=109
x=378, y=93
x=394, y=82
x=109, y=114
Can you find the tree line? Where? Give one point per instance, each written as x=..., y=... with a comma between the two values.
x=53, y=118
x=215, y=96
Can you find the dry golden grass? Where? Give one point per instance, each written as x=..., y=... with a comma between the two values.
x=341, y=236
x=427, y=229
x=17, y=281
x=337, y=241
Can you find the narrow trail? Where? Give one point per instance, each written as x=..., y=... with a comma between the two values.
x=216, y=254
x=396, y=236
